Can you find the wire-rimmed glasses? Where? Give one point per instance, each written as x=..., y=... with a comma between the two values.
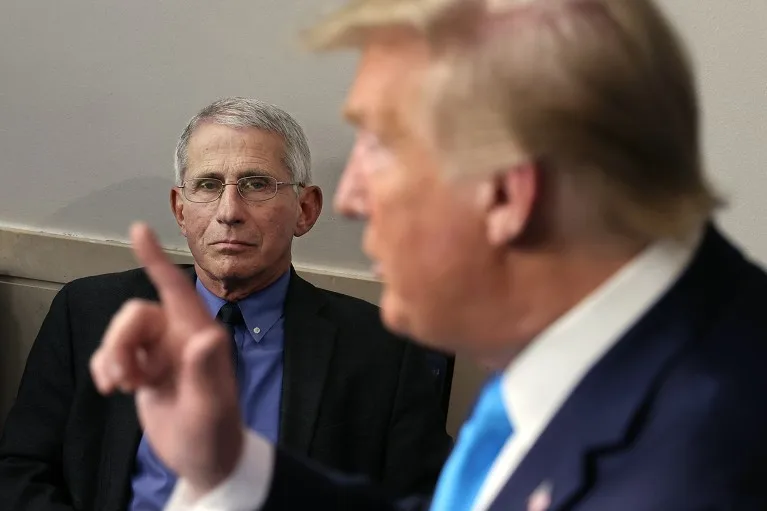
x=250, y=188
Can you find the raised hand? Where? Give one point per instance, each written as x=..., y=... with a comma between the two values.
x=176, y=359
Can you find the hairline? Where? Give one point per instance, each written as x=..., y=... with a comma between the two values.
x=297, y=150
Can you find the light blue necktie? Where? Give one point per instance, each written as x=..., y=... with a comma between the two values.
x=479, y=443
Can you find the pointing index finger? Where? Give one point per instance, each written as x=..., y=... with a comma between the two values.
x=177, y=294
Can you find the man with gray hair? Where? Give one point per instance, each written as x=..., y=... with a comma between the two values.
x=315, y=371
x=530, y=174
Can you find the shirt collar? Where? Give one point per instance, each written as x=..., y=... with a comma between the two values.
x=261, y=309
x=538, y=381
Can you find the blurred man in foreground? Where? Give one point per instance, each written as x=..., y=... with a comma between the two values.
x=530, y=173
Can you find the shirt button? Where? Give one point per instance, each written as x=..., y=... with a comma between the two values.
x=256, y=330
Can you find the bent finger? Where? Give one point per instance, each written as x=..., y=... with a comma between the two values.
x=134, y=333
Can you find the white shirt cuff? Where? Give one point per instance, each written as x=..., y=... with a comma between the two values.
x=245, y=489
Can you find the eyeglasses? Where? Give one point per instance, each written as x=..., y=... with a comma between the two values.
x=250, y=188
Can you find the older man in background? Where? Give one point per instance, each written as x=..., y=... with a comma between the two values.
x=531, y=176
x=315, y=370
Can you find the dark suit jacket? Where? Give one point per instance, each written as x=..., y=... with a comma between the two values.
x=354, y=398
x=672, y=418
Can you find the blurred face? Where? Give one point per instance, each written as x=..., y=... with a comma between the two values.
x=425, y=234
x=241, y=246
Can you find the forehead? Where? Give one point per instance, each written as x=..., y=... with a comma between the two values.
x=385, y=92
x=219, y=147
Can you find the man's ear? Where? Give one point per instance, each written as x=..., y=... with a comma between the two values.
x=177, y=206
x=510, y=203
x=310, y=203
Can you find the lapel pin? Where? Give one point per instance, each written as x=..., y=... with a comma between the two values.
x=540, y=499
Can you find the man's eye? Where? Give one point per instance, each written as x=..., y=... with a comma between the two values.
x=254, y=184
x=205, y=185
x=377, y=156
x=208, y=184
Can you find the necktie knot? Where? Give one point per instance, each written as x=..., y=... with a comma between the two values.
x=230, y=314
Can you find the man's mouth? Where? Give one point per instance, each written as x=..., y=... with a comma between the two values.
x=232, y=244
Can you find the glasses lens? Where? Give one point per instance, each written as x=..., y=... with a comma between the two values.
x=203, y=190
x=257, y=188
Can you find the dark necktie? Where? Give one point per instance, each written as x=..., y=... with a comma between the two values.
x=231, y=316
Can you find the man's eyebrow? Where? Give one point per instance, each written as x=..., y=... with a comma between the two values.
x=215, y=174
x=208, y=174
x=255, y=172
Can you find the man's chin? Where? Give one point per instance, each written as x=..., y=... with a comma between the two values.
x=393, y=314
x=400, y=318
x=229, y=268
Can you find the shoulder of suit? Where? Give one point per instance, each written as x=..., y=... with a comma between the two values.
x=360, y=320
x=118, y=281
x=728, y=338
x=337, y=299
x=342, y=308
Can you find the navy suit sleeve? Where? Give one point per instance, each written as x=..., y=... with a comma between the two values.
x=300, y=484
x=31, y=477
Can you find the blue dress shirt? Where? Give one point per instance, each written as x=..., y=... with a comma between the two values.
x=260, y=345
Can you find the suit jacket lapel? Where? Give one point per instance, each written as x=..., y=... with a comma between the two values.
x=309, y=343
x=122, y=433
x=605, y=411
x=596, y=419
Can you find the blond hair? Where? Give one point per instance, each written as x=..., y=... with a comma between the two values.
x=599, y=89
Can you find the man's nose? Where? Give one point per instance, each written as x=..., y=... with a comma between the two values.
x=351, y=199
x=231, y=206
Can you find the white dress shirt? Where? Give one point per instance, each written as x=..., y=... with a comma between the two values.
x=541, y=378
x=245, y=490
x=535, y=384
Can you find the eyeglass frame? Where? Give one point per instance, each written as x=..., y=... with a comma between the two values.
x=236, y=184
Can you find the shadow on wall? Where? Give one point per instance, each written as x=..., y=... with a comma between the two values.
x=118, y=206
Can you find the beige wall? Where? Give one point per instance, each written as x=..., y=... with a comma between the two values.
x=33, y=266
x=93, y=99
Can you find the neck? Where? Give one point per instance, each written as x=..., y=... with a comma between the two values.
x=541, y=288
x=233, y=289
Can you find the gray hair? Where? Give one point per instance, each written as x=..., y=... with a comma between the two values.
x=239, y=112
